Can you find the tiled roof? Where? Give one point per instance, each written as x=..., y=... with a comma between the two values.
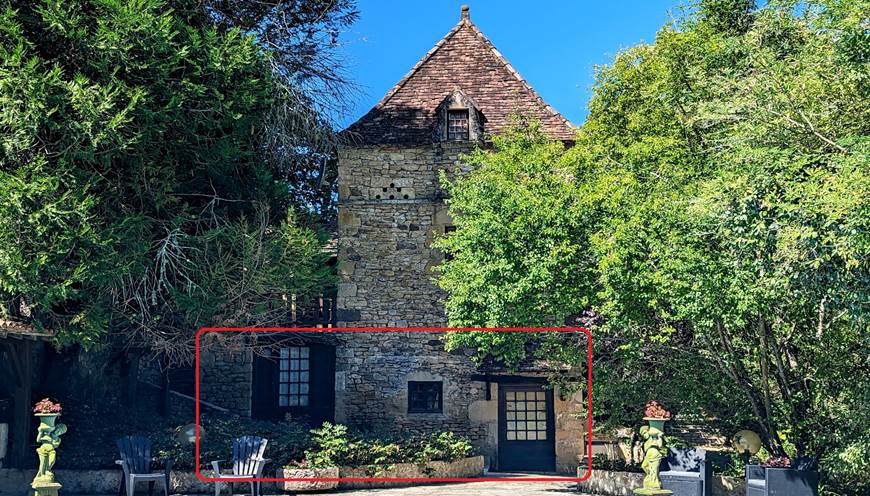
x=463, y=60
x=14, y=328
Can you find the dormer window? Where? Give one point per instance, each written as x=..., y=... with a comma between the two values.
x=457, y=125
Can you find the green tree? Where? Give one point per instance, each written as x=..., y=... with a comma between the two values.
x=721, y=192
x=137, y=194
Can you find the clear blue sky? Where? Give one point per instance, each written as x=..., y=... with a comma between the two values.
x=554, y=44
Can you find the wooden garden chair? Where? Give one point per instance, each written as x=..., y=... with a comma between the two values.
x=136, y=463
x=248, y=463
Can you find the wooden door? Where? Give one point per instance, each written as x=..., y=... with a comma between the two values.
x=526, y=428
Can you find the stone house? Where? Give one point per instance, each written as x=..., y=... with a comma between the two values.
x=390, y=209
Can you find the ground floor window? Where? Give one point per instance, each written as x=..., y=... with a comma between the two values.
x=293, y=381
x=425, y=397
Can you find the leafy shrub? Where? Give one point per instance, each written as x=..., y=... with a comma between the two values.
x=288, y=440
x=335, y=445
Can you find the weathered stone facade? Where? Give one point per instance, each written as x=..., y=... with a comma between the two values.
x=385, y=257
x=226, y=377
x=391, y=209
x=385, y=265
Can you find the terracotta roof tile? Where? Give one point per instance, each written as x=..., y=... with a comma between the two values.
x=463, y=60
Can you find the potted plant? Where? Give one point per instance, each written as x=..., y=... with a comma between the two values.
x=782, y=475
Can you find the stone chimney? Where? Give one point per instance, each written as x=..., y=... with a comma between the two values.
x=464, y=12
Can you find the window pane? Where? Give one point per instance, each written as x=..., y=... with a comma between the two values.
x=512, y=426
x=303, y=400
x=457, y=124
x=303, y=376
x=510, y=395
x=424, y=397
x=282, y=389
x=521, y=415
x=511, y=436
x=304, y=364
x=542, y=426
x=282, y=400
x=511, y=415
x=521, y=435
x=542, y=436
x=532, y=436
x=540, y=396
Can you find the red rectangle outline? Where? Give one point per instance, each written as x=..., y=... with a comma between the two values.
x=584, y=330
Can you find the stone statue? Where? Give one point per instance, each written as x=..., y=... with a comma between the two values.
x=653, y=453
x=48, y=436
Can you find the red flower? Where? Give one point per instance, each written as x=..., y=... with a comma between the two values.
x=777, y=462
x=654, y=410
x=45, y=405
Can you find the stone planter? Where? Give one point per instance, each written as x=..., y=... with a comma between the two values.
x=459, y=469
x=307, y=473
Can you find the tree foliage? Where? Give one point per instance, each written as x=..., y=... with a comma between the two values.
x=713, y=216
x=136, y=191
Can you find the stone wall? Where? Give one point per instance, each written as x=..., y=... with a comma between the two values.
x=225, y=376
x=15, y=482
x=391, y=208
x=372, y=374
x=607, y=483
x=570, y=431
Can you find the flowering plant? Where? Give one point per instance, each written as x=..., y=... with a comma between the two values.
x=45, y=405
x=655, y=410
x=777, y=462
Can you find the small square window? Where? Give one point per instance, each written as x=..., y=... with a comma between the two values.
x=457, y=125
x=425, y=397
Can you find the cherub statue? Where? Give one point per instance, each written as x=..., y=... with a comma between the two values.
x=48, y=436
x=653, y=453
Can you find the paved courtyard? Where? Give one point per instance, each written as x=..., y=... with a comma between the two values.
x=498, y=488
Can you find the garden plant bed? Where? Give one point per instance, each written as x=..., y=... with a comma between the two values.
x=462, y=468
